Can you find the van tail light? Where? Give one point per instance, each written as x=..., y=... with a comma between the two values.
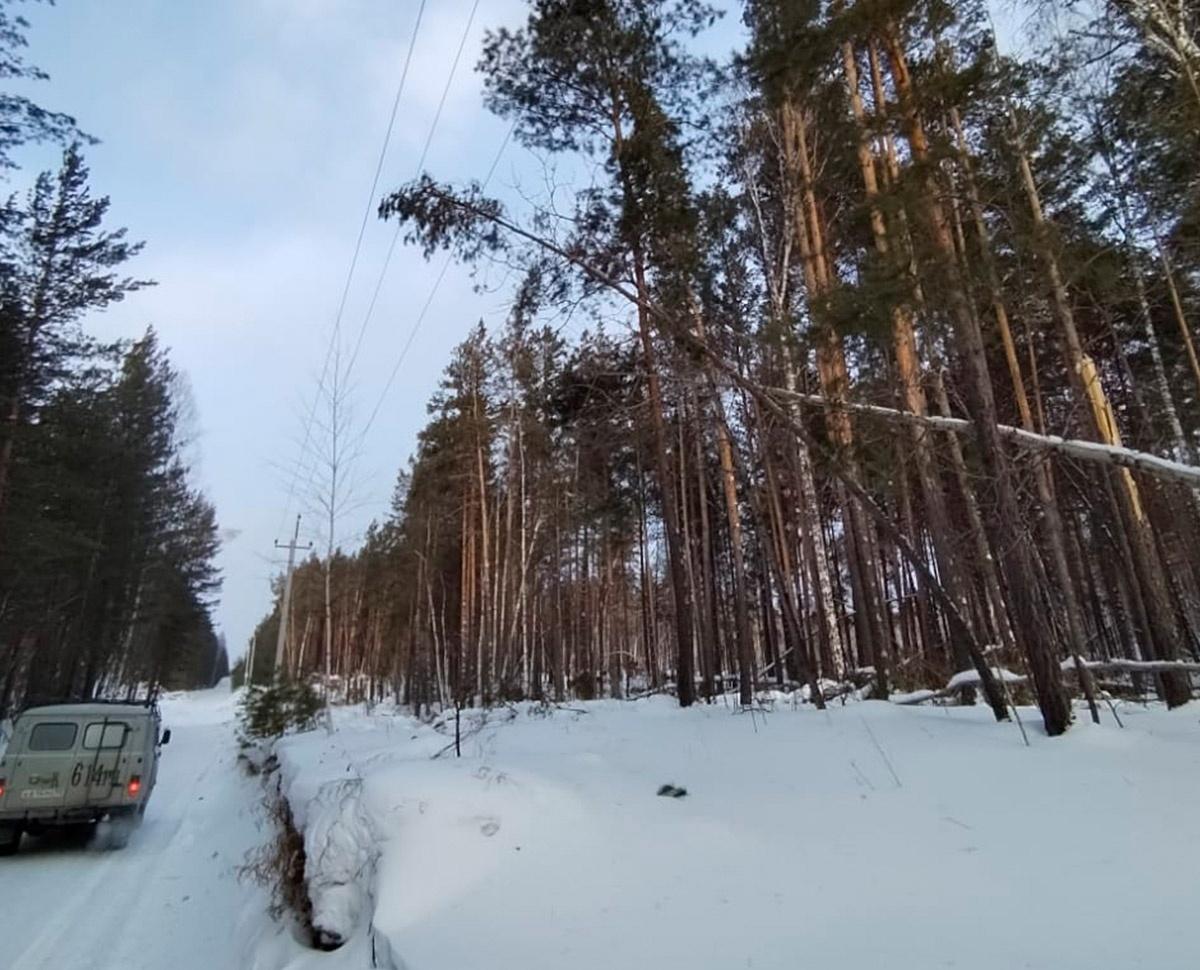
x=2, y=781
x=134, y=786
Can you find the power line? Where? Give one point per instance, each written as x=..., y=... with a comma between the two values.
x=335, y=331
x=412, y=334
x=437, y=117
x=429, y=300
x=391, y=251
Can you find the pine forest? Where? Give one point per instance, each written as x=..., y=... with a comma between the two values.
x=880, y=373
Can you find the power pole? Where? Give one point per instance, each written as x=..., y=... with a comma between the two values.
x=291, y=547
x=248, y=679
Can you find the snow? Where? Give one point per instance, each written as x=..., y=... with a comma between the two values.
x=340, y=843
x=914, y=696
x=1134, y=666
x=169, y=899
x=867, y=835
x=966, y=678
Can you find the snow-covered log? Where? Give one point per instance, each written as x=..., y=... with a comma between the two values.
x=1114, y=455
x=1136, y=666
x=340, y=846
x=956, y=684
x=969, y=678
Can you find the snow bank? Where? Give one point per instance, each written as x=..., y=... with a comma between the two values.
x=857, y=837
x=340, y=847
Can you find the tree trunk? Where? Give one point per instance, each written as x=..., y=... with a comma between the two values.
x=1091, y=395
x=745, y=647
x=1030, y=628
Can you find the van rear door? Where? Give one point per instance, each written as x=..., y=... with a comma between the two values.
x=96, y=775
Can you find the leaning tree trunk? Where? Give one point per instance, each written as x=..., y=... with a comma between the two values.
x=1031, y=629
x=1164, y=632
x=1043, y=477
x=905, y=356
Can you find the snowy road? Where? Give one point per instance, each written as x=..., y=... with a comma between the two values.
x=171, y=898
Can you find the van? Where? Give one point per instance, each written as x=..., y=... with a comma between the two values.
x=79, y=764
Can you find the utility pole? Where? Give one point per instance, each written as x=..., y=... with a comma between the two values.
x=248, y=679
x=291, y=547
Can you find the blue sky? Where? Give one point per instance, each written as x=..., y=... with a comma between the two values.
x=238, y=138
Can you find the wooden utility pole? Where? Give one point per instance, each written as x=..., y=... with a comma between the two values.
x=248, y=679
x=291, y=547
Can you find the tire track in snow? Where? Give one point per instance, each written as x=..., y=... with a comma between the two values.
x=92, y=924
x=60, y=923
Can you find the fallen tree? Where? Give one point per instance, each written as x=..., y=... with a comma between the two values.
x=969, y=678
x=476, y=227
x=1113, y=455
x=1136, y=666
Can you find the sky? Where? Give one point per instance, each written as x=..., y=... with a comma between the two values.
x=239, y=138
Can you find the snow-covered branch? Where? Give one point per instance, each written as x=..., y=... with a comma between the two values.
x=1136, y=666
x=1114, y=455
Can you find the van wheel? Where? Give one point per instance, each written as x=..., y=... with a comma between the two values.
x=81, y=834
x=120, y=830
x=10, y=839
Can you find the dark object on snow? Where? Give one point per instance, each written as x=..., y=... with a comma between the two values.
x=672, y=791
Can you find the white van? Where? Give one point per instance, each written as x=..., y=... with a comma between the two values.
x=78, y=765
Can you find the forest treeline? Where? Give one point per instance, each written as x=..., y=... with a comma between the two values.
x=106, y=547
x=869, y=204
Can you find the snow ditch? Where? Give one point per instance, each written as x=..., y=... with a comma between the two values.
x=326, y=822
x=547, y=846
x=339, y=839
x=382, y=796
x=340, y=848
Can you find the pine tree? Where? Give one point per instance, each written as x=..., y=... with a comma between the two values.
x=21, y=119
x=61, y=262
x=588, y=75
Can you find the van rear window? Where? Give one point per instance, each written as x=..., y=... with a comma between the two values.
x=106, y=737
x=52, y=737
